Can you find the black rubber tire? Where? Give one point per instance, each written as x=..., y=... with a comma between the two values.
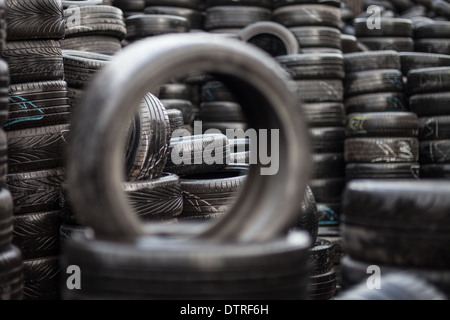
x=317, y=37
x=92, y=43
x=271, y=37
x=253, y=3
x=4, y=98
x=374, y=228
x=442, y=8
x=322, y=256
x=314, y=66
x=434, y=151
x=435, y=171
x=6, y=216
x=327, y=190
x=175, y=119
x=37, y=148
x=193, y=4
x=377, y=102
x=221, y=112
x=381, y=150
x=322, y=286
x=80, y=67
x=389, y=27
x=331, y=114
x=38, y=118
x=80, y=3
x=211, y=193
x=216, y=91
x=148, y=25
x=44, y=93
x=260, y=72
x=280, y=3
x=433, y=128
x=157, y=199
x=325, y=90
x=194, y=17
x=37, y=234
x=329, y=214
x=35, y=191
x=437, y=29
x=11, y=271
x=150, y=142
x=355, y=272
x=327, y=140
x=308, y=217
x=178, y=91
x=31, y=61
x=364, y=61
x=383, y=43
x=42, y=279
x=382, y=171
x=382, y=124
x=185, y=106
x=349, y=44
x=417, y=60
x=98, y=20
x=3, y=158
x=234, y=16
x=402, y=5
x=374, y=81
x=131, y=5
x=429, y=80
x=430, y=104
x=438, y=46
x=328, y=165
x=307, y=15
x=396, y=286
x=34, y=19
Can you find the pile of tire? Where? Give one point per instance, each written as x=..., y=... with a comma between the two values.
x=323, y=282
x=397, y=226
x=37, y=129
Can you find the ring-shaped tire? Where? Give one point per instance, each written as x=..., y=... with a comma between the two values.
x=267, y=206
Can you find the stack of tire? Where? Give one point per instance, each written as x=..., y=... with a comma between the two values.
x=229, y=16
x=319, y=78
x=396, y=226
x=98, y=29
x=188, y=9
x=322, y=284
x=315, y=24
x=381, y=137
x=37, y=131
x=432, y=37
x=429, y=99
x=391, y=34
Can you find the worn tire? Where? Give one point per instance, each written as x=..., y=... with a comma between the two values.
x=429, y=80
x=435, y=151
x=327, y=114
x=418, y=60
x=221, y=17
x=374, y=81
x=371, y=60
x=327, y=140
x=308, y=15
x=389, y=27
x=93, y=43
x=148, y=25
x=325, y=90
x=194, y=17
x=317, y=37
x=42, y=279
x=382, y=171
x=397, y=44
x=376, y=102
x=314, y=66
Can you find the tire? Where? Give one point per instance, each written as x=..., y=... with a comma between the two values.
x=314, y=66
x=271, y=37
x=330, y=114
x=37, y=234
x=417, y=60
x=130, y=5
x=80, y=3
x=175, y=119
x=365, y=61
x=192, y=4
x=322, y=256
x=382, y=124
x=280, y=3
x=434, y=128
x=216, y=91
x=434, y=151
x=349, y=44
x=373, y=81
x=35, y=191
x=308, y=219
x=328, y=165
x=148, y=25
x=316, y=91
x=397, y=44
x=96, y=44
x=44, y=93
x=355, y=272
x=327, y=140
x=98, y=20
x=150, y=144
x=157, y=199
x=381, y=150
x=438, y=46
x=397, y=286
x=254, y=3
x=232, y=277
x=317, y=37
x=377, y=102
x=389, y=27
x=185, y=106
x=430, y=104
x=211, y=193
x=11, y=270
x=322, y=286
x=31, y=61
x=240, y=157
x=221, y=112
x=435, y=171
x=327, y=190
x=41, y=279
x=382, y=171
x=429, y=80
x=441, y=8
x=4, y=97
x=3, y=158
x=34, y=19
x=178, y=91
x=437, y=29
x=6, y=216
x=195, y=17
x=307, y=15
x=221, y=17
x=195, y=147
x=80, y=67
